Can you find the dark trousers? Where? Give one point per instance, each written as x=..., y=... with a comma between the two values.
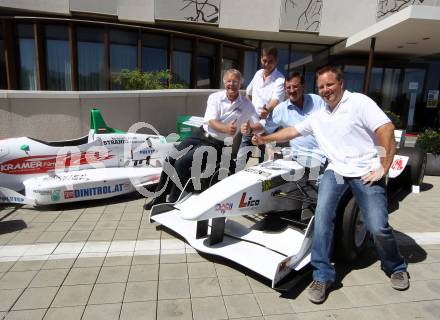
x=183, y=164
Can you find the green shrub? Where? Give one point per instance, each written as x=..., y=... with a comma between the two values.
x=395, y=119
x=429, y=140
x=136, y=80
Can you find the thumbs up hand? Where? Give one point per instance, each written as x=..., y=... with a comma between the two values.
x=231, y=127
x=245, y=128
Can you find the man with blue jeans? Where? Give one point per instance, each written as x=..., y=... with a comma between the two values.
x=358, y=141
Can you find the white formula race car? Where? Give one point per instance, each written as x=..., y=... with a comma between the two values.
x=105, y=163
x=262, y=217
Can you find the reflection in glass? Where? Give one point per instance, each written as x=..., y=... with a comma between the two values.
x=154, y=52
x=375, y=87
x=390, y=88
x=27, y=65
x=250, y=66
x=123, y=53
x=3, y=82
x=90, y=58
x=58, y=66
x=204, y=72
x=154, y=59
x=182, y=68
x=354, y=78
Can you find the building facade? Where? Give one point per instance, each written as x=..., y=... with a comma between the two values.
x=82, y=45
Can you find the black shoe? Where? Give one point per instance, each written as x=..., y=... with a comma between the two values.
x=153, y=202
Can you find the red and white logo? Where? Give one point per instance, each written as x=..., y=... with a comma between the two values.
x=46, y=163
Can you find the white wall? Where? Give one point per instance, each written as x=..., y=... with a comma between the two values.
x=342, y=18
x=65, y=115
x=136, y=10
x=52, y=6
x=257, y=15
x=95, y=6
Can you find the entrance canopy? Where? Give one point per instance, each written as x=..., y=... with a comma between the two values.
x=413, y=31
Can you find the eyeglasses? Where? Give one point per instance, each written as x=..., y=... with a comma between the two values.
x=232, y=82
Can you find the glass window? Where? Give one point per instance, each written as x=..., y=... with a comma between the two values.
x=181, y=67
x=58, y=66
x=390, y=88
x=123, y=52
x=412, y=89
x=154, y=52
x=26, y=51
x=3, y=82
x=204, y=72
x=230, y=61
x=375, y=87
x=205, y=65
x=90, y=58
x=250, y=65
x=354, y=78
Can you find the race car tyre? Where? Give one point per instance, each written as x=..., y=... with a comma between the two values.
x=351, y=233
x=413, y=176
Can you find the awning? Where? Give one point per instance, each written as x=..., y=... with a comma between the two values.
x=414, y=30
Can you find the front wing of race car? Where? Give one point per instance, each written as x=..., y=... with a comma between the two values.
x=252, y=191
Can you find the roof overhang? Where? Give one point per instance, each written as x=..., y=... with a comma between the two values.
x=413, y=31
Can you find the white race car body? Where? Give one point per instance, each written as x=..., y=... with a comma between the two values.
x=106, y=163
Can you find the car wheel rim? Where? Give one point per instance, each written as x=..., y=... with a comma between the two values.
x=360, y=231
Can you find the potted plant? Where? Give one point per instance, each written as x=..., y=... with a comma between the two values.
x=395, y=119
x=429, y=141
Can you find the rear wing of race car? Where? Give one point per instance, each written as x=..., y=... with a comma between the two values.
x=98, y=125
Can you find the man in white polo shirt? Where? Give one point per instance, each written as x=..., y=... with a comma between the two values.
x=226, y=111
x=358, y=141
x=266, y=91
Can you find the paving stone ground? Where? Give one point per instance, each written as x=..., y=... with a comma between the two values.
x=104, y=260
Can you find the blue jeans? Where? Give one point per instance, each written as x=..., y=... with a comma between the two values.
x=246, y=141
x=372, y=201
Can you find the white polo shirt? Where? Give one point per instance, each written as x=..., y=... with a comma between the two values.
x=262, y=91
x=347, y=135
x=220, y=108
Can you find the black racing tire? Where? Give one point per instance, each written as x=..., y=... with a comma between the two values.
x=414, y=173
x=351, y=235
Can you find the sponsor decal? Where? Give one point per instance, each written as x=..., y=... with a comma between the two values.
x=43, y=192
x=96, y=191
x=259, y=172
x=265, y=185
x=248, y=203
x=284, y=265
x=55, y=195
x=69, y=177
x=272, y=183
x=121, y=140
x=11, y=199
x=147, y=151
x=46, y=163
x=69, y=194
x=397, y=165
x=223, y=207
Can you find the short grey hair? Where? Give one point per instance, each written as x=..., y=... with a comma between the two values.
x=235, y=72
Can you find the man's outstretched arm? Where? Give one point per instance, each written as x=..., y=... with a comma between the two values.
x=282, y=135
